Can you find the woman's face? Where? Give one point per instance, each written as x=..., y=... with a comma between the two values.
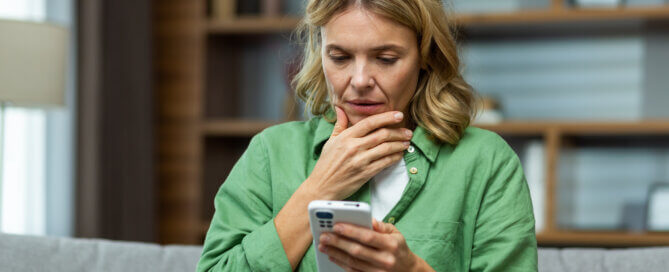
x=371, y=63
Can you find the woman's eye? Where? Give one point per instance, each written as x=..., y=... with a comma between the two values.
x=387, y=60
x=339, y=58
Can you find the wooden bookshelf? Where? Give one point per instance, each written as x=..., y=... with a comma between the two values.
x=194, y=139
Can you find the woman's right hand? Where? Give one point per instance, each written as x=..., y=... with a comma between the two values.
x=354, y=155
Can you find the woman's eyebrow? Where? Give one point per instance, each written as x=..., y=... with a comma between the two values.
x=385, y=47
x=331, y=47
x=391, y=47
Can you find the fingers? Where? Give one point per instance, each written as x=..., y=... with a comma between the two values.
x=375, y=225
x=386, y=149
x=380, y=164
x=386, y=227
x=379, y=226
x=386, y=135
x=362, y=235
x=352, y=253
x=342, y=122
x=348, y=262
x=374, y=122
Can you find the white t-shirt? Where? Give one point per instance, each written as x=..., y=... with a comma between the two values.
x=386, y=189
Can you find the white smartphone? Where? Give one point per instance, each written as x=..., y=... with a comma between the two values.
x=324, y=214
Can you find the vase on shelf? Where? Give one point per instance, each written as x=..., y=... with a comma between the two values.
x=223, y=9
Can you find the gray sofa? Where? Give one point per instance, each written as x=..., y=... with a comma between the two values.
x=30, y=253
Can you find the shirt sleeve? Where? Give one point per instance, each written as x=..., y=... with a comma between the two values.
x=242, y=235
x=504, y=238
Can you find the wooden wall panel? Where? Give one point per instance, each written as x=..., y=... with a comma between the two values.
x=179, y=53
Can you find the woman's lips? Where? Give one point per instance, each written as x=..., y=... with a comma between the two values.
x=366, y=109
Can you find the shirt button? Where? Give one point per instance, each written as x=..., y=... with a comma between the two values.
x=413, y=170
x=391, y=220
x=411, y=149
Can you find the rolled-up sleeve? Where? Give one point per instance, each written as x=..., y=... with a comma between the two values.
x=504, y=238
x=242, y=235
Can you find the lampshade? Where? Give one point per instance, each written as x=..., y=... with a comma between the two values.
x=32, y=63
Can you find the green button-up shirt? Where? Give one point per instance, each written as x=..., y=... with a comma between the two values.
x=466, y=207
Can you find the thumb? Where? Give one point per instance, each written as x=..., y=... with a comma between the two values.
x=342, y=122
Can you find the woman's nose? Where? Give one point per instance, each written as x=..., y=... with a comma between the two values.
x=362, y=78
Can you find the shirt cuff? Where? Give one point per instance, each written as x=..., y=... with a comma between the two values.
x=264, y=251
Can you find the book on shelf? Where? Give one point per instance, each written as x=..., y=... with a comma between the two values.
x=534, y=165
x=223, y=9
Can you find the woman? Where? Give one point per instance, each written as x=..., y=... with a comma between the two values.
x=447, y=197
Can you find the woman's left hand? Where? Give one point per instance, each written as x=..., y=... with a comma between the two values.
x=356, y=248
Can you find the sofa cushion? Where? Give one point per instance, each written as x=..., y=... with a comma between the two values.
x=32, y=253
x=604, y=260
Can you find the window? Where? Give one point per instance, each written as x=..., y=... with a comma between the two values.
x=36, y=193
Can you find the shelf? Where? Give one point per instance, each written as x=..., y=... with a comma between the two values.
x=566, y=15
x=253, y=25
x=234, y=127
x=516, y=128
x=259, y=25
x=619, y=128
x=535, y=128
x=602, y=239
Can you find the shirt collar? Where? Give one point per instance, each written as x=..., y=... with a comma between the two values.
x=421, y=138
x=427, y=144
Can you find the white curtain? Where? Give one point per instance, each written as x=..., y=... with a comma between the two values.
x=37, y=181
x=23, y=209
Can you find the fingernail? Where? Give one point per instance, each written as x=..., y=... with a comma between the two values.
x=407, y=143
x=399, y=116
x=325, y=238
x=408, y=132
x=336, y=228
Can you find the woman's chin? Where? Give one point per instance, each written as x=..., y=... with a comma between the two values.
x=354, y=118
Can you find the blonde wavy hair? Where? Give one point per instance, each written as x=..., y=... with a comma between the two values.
x=443, y=104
